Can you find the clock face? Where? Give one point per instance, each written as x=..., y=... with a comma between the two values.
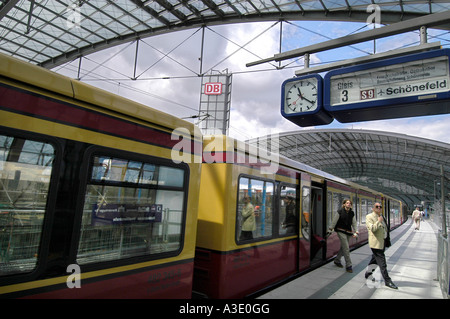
x=301, y=96
x=301, y=101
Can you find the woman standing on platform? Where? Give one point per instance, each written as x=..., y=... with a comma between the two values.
x=342, y=223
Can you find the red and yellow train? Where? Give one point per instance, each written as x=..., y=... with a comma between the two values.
x=228, y=265
x=93, y=205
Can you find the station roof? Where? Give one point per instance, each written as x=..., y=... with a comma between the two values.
x=52, y=32
x=403, y=166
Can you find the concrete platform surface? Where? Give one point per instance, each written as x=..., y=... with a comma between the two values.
x=412, y=265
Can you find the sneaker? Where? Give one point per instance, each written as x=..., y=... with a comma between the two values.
x=349, y=269
x=338, y=264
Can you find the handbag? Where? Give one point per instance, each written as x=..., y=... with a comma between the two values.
x=387, y=241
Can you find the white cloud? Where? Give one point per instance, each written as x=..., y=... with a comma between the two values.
x=247, y=127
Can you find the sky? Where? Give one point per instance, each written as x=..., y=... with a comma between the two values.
x=168, y=67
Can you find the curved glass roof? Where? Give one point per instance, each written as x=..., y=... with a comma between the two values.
x=52, y=32
x=403, y=166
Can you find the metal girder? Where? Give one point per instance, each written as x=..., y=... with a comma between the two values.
x=369, y=58
x=376, y=33
x=6, y=7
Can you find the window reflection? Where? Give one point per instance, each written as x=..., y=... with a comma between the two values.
x=25, y=167
x=255, y=209
x=127, y=213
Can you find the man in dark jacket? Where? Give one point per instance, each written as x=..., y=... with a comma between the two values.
x=344, y=223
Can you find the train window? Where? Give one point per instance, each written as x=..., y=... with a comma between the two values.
x=337, y=202
x=119, y=170
x=370, y=203
x=26, y=167
x=355, y=209
x=131, y=209
x=330, y=211
x=306, y=211
x=255, y=209
x=288, y=216
x=366, y=208
x=394, y=212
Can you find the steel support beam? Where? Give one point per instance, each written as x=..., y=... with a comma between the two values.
x=392, y=29
x=368, y=58
x=7, y=7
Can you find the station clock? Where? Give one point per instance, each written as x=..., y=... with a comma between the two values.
x=301, y=101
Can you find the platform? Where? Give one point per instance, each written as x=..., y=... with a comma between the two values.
x=412, y=265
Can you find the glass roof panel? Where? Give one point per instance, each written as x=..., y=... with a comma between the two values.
x=439, y=7
x=155, y=6
x=312, y=5
x=183, y=9
x=334, y=4
x=153, y=23
x=260, y=4
x=51, y=51
x=72, y=28
x=91, y=38
x=227, y=9
x=419, y=8
x=169, y=16
x=112, y=11
x=237, y=4
x=199, y=5
x=355, y=3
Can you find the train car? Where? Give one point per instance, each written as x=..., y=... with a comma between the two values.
x=247, y=239
x=91, y=203
x=394, y=210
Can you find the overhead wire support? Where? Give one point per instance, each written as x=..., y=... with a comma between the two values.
x=29, y=17
x=135, y=59
x=376, y=33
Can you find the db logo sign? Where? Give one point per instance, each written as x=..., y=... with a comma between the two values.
x=213, y=88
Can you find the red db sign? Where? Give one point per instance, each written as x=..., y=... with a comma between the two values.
x=213, y=88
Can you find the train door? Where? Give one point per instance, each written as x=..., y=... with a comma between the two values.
x=304, y=244
x=312, y=244
x=387, y=213
x=317, y=229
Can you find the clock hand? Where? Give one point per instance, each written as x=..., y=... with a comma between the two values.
x=302, y=97
x=308, y=100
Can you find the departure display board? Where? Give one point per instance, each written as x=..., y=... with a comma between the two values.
x=382, y=89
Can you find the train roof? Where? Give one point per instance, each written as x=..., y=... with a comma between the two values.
x=251, y=149
x=50, y=81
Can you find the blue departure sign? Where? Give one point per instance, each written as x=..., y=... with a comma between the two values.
x=412, y=85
